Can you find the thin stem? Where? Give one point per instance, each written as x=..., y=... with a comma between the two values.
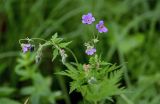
x=56, y=46
x=39, y=39
x=90, y=29
x=97, y=35
x=22, y=40
x=93, y=31
x=73, y=55
x=26, y=101
x=27, y=39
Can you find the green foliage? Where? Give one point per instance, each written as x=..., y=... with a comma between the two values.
x=57, y=43
x=8, y=101
x=26, y=67
x=97, y=82
x=132, y=41
x=55, y=54
x=128, y=43
x=40, y=89
x=6, y=91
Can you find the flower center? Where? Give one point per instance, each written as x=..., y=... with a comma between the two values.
x=101, y=26
x=88, y=19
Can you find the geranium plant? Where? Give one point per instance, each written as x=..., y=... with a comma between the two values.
x=96, y=80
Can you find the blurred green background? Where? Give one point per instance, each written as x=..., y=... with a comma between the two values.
x=133, y=41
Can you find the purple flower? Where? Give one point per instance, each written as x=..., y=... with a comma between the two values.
x=88, y=19
x=26, y=47
x=100, y=27
x=90, y=51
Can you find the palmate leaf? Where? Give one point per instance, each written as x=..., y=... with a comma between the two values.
x=72, y=72
x=64, y=73
x=116, y=76
x=55, y=39
x=112, y=68
x=58, y=45
x=74, y=85
x=103, y=89
x=54, y=36
x=96, y=84
x=64, y=44
x=77, y=75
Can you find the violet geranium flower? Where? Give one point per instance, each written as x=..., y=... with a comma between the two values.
x=88, y=19
x=90, y=51
x=25, y=47
x=100, y=27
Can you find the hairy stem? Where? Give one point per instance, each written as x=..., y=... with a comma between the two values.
x=27, y=39
x=73, y=55
x=39, y=39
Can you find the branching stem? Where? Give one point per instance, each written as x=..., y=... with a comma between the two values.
x=73, y=55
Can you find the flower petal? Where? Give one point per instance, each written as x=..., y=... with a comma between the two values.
x=90, y=14
x=101, y=22
x=24, y=49
x=97, y=26
x=93, y=19
x=83, y=17
x=105, y=29
x=83, y=21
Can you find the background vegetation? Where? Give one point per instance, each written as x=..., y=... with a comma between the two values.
x=133, y=41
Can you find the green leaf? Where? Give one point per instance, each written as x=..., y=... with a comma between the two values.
x=63, y=73
x=63, y=45
x=105, y=88
x=54, y=36
x=55, y=54
x=73, y=85
x=131, y=42
x=6, y=91
x=8, y=101
x=55, y=39
x=27, y=90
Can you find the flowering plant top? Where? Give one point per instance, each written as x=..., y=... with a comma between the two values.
x=90, y=79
